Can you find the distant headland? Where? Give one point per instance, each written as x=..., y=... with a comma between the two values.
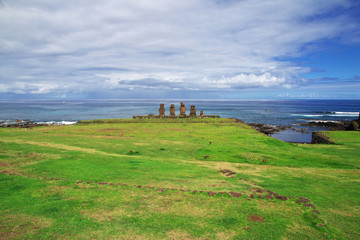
x=172, y=113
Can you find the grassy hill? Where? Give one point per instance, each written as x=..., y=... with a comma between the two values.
x=175, y=179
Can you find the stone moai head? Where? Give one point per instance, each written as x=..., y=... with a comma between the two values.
x=161, y=110
x=182, y=109
x=172, y=110
x=192, y=110
x=201, y=113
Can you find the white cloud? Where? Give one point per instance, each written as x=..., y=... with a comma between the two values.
x=25, y=88
x=88, y=45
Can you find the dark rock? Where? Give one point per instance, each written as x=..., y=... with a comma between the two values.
x=315, y=211
x=269, y=197
x=320, y=138
x=282, y=198
x=303, y=200
x=331, y=125
x=267, y=129
x=227, y=172
x=309, y=205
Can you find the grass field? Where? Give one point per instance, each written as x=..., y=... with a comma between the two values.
x=175, y=179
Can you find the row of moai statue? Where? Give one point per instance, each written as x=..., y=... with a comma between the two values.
x=182, y=110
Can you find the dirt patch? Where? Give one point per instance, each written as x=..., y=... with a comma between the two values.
x=235, y=194
x=227, y=172
x=4, y=164
x=255, y=218
x=11, y=171
x=303, y=200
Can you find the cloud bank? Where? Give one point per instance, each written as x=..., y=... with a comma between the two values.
x=78, y=48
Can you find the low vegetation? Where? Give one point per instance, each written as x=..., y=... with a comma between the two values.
x=175, y=179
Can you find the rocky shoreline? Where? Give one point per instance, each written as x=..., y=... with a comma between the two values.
x=268, y=129
x=305, y=128
x=331, y=125
x=30, y=124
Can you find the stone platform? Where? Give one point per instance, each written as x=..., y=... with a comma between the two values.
x=173, y=114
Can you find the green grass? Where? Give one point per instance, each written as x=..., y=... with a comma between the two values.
x=172, y=158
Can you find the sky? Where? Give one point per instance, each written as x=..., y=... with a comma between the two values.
x=188, y=49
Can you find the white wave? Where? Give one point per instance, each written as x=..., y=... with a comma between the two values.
x=67, y=122
x=309, y=115
x=323, y=121
x=58, y=123
x=355, y=114
x=330, y=114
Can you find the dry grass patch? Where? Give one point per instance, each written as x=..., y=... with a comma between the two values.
x=18, y=225
x=102, y=215
x=225, y=235
x=176, y=130
x=295, y=230
x=169, y=142
x=57, y=189
x=5, y=164
x=123, y=234
x=178, y=234
x=67, y=147
x=347, y=213
x=17, y=158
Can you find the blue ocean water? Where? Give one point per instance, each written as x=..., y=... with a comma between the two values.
x=273, y=112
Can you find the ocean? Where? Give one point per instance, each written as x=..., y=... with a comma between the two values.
x=272, y=112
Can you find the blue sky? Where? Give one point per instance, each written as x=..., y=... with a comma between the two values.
x=197, y=49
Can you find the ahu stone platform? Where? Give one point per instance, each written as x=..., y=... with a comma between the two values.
x=173, y=113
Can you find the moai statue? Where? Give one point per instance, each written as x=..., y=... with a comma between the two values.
x=201, y=113
x=192, y=110
x=161, y=110
x=172, y=110
x=182, y=109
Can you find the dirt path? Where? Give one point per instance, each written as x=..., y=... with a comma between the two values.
x=67, y=147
